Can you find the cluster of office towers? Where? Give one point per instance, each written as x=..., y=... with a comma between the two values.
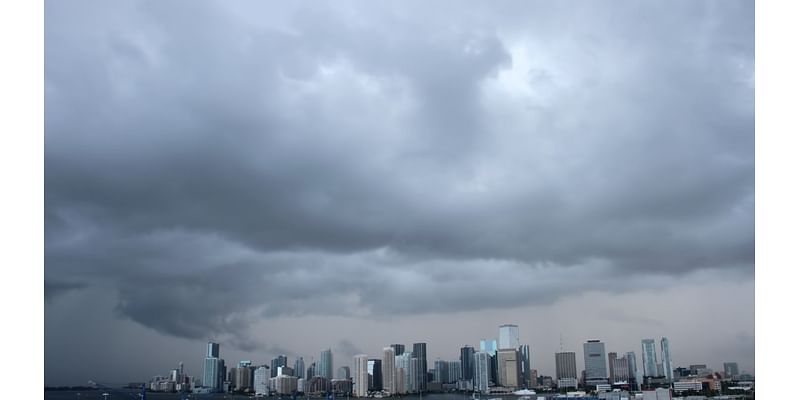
x=504, y=363
x=614, y=370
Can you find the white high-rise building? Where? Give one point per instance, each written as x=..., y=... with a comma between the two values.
x=388, y=370
x=509, y=337
x=666, y=359
x=482, y=372
x=261, y=380
x=361, y=377
x=649, y=363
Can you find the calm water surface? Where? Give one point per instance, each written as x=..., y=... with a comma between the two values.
x=132, y=395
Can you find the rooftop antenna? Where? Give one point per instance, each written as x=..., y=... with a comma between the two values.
x=561, y=341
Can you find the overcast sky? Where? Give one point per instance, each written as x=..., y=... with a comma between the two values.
x=285, y=178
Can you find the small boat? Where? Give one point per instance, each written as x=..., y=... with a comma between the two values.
x=524, y=392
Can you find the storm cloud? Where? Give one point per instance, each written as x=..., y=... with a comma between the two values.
x=221, y=164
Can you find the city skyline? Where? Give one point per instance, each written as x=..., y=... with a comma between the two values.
x=281, y=177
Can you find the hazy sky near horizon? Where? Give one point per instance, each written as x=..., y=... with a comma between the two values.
x=290, y=177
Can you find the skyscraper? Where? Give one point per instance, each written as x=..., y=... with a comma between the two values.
x=481, y=374
x=343, y=372
x=467, y=354
x=666, y=359
x=388, y=370
x=731, y=370
x=261, y=380
x=453, y=371
x=399, y=349
x=633, y=373
x=404, y=363
x=509, y=337
x=214, y=370
x=649, y=363
x=421, y=352
x=361, y=378
x=489, y=346
x=507, y=368
x=326, y=364
x=525, y=364
x=375, y=371
x=595, y=364
x=299, y=367
x=277, y=362
x=440, y=371
x=566, y=369
x=212, y=350
x=618, y=368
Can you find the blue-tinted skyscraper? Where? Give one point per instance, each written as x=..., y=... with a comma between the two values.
x=326, y=364
x=649, y=363
x=213, y=368
x=666, y=359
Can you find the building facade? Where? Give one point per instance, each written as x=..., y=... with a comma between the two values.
x=509, y=337
x=388, y=370
x=649, y=362
x=481, y=373
x=666, y=359
x=361, y=377
x=595, y=363
x=508, y=368
x=326, y=364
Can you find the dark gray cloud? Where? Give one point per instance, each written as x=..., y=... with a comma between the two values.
x=221, y=164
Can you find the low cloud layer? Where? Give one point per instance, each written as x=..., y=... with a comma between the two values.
x=221, y=164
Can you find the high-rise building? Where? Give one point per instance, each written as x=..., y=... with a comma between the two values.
x=421, y=352
x=595, y=363
x=618, y=368
x=453, y=371
x=212, y=350
x=375, y=371
x=261, y=380
x=666, y=359
x=525, y=364
x=633, y=373
x=299, y=367
x=649, y=362
x=326, y=364
x=489, y=346
x=566, y=370
x=731, y=370
x=277, y=362
x=361, y=377
x=403, y=362
x=440, y=371
x=507, y=368
x=388, y=370
x=311, y=371
x=467, y=354
x=565, y=365
x=509, y=337
x=399, y=349
x=417, y=374
x=343, y=373
x=481, y=373
x=214, y=370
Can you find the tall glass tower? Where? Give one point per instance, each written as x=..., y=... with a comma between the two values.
x=326, y=364
x=666, y=359
x=649, y=357
x=509, y=337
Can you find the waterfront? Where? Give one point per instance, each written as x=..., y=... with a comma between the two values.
x=132, y=394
